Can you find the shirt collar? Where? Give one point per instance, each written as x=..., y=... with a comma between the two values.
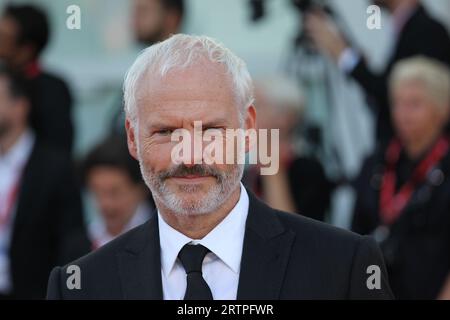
x=20, y=151
x=231, y=228
x=99, y=233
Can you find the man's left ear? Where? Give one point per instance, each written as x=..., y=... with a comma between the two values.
x=131, y=138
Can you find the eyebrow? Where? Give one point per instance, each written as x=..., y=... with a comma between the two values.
x=207, y=124
x=215, y=122
x=156, y=126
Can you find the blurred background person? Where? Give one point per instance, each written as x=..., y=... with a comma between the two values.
x=152, y=21
x=156, y=20
x=300, y=184
x=403, y=191
x=415, y=32
x=24, y=34
x=40, y=203
x=114, y=179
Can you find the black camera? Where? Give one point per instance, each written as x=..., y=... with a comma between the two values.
x=258, y=11
x=258, y=7
x=307, y=5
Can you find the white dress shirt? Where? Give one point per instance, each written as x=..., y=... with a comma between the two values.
x=12, y=164
x=221, y=266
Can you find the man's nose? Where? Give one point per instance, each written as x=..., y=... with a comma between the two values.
x=196, y=152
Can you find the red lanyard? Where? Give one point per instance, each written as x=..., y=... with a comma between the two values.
x=10, y=202
x=391, y=203
x=33, y=70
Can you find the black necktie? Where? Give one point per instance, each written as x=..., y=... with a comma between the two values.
x=191, y=257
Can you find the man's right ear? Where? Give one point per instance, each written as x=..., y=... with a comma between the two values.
x=131, y=138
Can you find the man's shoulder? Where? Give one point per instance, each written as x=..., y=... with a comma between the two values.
x=100, y=271
x=50, y=83
x=307, y=233
x=324, y=261
x=105, y=256
x=50, y=78
x=318, y=231
x=424, y=23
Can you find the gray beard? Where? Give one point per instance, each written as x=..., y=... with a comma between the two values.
x=227, y=182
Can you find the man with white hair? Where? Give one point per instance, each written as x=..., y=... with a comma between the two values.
x=211, y=239
x=403, y=190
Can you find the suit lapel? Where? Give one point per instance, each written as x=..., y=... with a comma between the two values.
x=140, y=265
x=266, y=251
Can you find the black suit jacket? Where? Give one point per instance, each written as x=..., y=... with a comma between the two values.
x=285, y=256
x=421, y=35
x=50, y=115
x=48, y=227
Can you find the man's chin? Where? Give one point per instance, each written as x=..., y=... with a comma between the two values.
x=192, y=207
x=190, y=200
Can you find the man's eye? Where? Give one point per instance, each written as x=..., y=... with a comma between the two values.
x=213, y=128
x=163, y=132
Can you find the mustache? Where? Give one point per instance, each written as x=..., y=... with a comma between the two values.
x=197, y=170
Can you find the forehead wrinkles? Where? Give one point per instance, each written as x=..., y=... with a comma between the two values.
x=185, y=92
x=188, y=83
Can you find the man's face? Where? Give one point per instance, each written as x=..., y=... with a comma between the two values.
x=415, y=115
x=9, y=31
x=199, y=93
x=148, y=20
x=116, y=195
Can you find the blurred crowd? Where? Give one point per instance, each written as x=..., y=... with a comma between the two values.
x=402, y=190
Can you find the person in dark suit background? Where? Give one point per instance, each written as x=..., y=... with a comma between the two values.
x=403, y=190
x=416, y=33
x=152, y=21
x=24, y=34
x=300, y=185
x=211, y=239
x=41, y=222
x=122, y=200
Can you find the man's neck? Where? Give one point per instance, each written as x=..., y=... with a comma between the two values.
x=198, y=226
x=10, y=139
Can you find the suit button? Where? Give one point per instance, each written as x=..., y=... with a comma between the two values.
x=375, y=181
x=436, y=177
